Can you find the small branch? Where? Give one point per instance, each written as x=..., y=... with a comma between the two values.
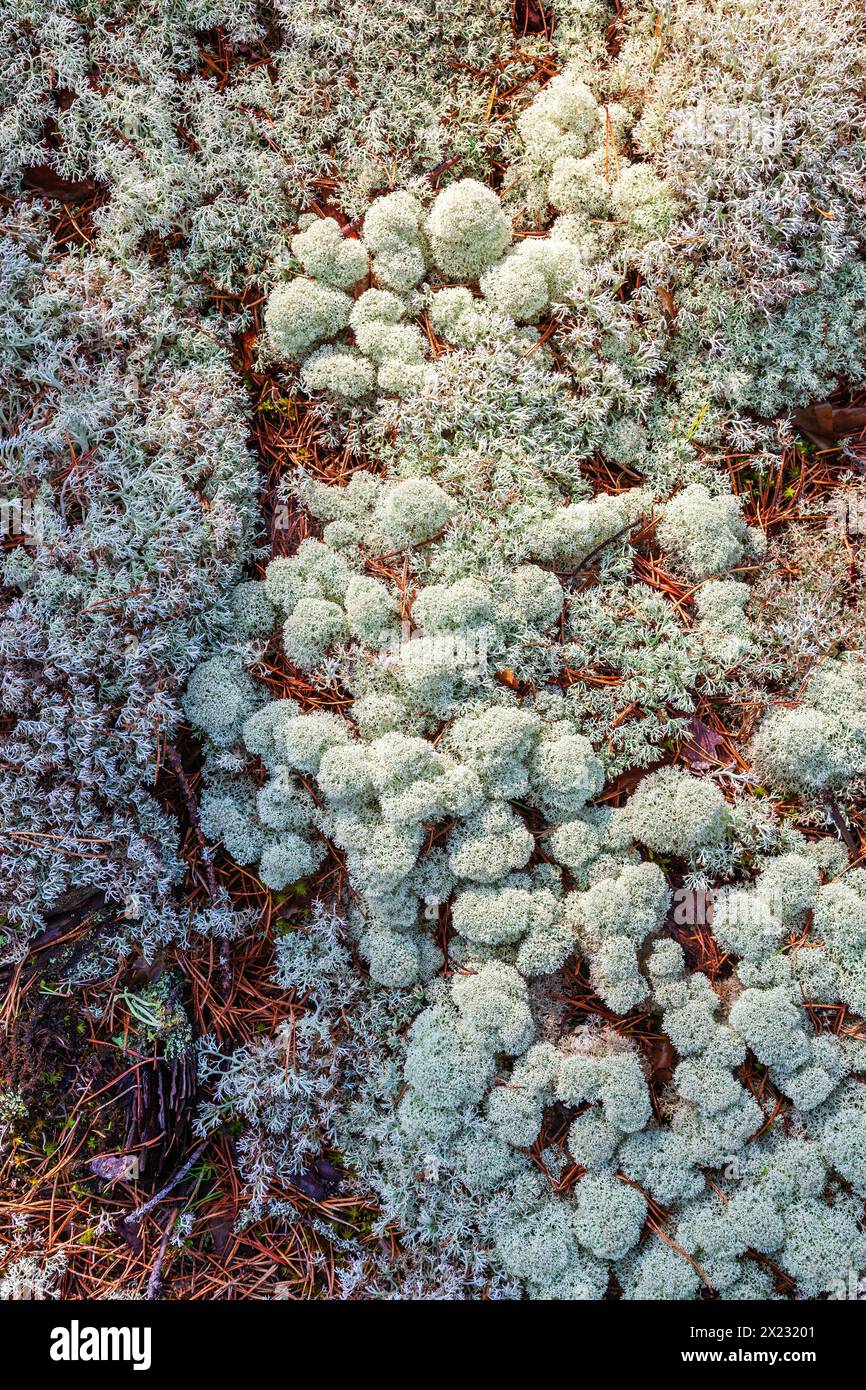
x=136, y=1216
x=154, y=1283
x=841, y=825
x=596, y=550
x=177, y=768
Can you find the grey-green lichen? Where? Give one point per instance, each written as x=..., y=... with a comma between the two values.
x=552, y=335
x=491, y=824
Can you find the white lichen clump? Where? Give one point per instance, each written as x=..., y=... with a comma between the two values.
x=463, y=239
x=820, y=743
x=705, y=534
x=542, y=724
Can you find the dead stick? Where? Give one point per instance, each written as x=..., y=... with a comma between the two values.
x=841, y=825
x=192, y=811
x=136, y=1216
x=597, y=549
x=154, y=1283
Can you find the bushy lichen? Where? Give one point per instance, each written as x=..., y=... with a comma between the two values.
x=673, y=812
x=302, y=313
x=545, y=690
x=821, y=743
x=705, y=534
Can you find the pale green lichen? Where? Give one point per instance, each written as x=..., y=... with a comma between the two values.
x=302, y=313
x=328, y=256
x=530, y=582
x=467, y=229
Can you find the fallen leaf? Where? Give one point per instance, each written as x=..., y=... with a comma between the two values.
x=320, y=1181
x=703, y=745
x=823, y=424
x=530, y=17
x=46, y=180
x=248, y=342
x=667, y=300
x=116, y=1167
x=507, y=677
x=664, y=1059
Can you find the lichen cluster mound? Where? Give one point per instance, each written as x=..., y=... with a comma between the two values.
x=540, y=733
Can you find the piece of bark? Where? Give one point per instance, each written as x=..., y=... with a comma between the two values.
x=824, y=425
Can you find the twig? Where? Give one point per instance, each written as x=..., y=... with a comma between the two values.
x=841, y=825
x=177, y=768
x=140, y=1212
x=154, y=1283
x=597, y=549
